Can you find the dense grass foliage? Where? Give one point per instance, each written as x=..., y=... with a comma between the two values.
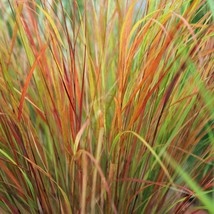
x=106, y=106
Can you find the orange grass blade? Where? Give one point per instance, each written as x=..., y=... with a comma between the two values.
x=24, y=91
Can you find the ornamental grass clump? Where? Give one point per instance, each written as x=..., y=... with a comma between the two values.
x=106, y=106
